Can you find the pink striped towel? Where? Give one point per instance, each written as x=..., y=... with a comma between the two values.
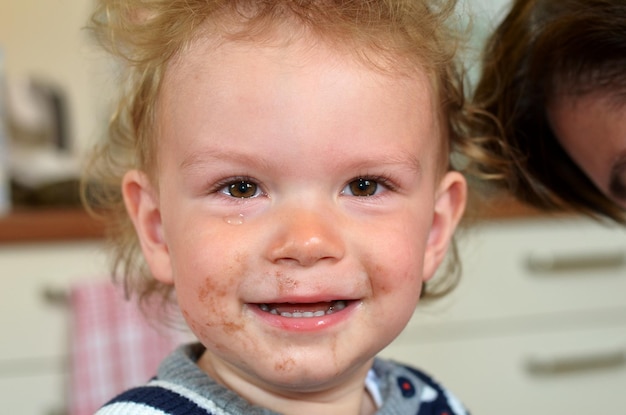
x=113, y=347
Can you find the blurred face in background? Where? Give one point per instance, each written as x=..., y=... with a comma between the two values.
x=592, y=130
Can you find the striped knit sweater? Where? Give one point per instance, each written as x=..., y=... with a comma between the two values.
x=180, y=387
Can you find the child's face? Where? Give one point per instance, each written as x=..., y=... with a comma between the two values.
x=300, y=207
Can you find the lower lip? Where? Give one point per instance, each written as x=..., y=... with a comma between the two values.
x=306, y=324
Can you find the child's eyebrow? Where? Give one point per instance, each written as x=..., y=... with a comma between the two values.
x=199, y=158
x=405, y=160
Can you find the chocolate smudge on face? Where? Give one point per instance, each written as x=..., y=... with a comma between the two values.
x=203, y=294
x=231, y=327
x=211, y=290
x=285, y=366
x=285, y=284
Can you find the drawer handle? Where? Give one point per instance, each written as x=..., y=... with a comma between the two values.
x=54, y=296
x=573, y=262
x=561, y=365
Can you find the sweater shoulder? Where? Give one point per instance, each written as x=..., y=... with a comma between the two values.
x=160, y=398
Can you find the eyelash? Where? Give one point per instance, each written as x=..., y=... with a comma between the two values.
x=383, y=180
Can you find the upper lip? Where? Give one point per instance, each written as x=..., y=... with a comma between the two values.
x=306, y=299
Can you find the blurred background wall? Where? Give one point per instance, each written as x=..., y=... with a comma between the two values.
x=46, y=40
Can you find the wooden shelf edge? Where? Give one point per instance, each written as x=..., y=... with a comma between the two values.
x=506, y=208
x=49, y=224
x=66, y=224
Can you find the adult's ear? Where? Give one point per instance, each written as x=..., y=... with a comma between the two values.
x=142, y=204
x=450, y=200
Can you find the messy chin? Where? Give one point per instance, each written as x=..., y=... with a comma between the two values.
x=292, y=369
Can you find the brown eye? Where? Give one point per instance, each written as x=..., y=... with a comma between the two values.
x=363, y=187
x=242, y=189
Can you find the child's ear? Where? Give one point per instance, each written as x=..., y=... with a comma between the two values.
x=450, y=200
x=142, y=204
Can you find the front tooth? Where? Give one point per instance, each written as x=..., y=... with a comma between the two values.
x=286, y=314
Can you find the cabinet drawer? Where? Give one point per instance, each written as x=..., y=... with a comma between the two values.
x=33, y=327
x=533, y=267
x=43, y=394
x=577, y=372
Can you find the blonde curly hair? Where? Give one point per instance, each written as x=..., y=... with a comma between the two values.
x=148, y=34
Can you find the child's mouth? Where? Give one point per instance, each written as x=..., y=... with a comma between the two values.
x=304, y=310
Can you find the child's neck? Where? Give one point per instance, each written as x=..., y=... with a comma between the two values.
x=348, y=398
x=357, y=402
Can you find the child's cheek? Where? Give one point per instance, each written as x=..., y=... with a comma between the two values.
x=209, y=299
x=395, y=273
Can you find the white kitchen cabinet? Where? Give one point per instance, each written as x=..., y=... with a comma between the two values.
x=560, y=372
x=537, y=324
x=34, y=393
x=35, y=328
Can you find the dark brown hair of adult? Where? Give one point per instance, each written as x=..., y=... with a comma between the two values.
x=540, y=48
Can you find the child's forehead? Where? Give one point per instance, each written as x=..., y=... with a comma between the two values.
x=295, y=49
x=302, y=54
x=216, y=73
x=379, y=51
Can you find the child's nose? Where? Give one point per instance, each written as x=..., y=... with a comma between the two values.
x=305, y=236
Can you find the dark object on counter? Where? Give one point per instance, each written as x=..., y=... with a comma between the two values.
x=57, y=194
